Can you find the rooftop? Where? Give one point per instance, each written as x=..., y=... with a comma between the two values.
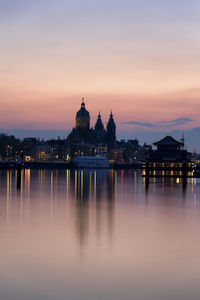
x=168, y=141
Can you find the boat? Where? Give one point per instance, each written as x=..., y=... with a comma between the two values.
x=95, y=162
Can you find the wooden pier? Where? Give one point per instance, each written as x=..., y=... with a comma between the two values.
x=170, y=170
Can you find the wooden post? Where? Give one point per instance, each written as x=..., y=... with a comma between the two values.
x=19, y=174
x=184, y=175
x=147, y=176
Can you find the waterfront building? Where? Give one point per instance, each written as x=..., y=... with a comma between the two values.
x=129, y=152
x=40, y=150
x=101, y=150
x=169, y=150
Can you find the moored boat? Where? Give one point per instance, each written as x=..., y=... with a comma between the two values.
x=91, y=162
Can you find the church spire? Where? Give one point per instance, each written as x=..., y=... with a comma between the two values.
x=99, y=124
x=111, y=129
x=83, y=102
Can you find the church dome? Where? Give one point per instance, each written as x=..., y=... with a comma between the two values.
x=83, y=117
x=83, y=111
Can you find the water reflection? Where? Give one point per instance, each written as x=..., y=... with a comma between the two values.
x=85, y=189
x=54, y=189
x=98, y=234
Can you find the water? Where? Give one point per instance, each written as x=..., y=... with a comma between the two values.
x=98, y=235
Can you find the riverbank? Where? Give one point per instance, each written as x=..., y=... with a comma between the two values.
x=60, y=165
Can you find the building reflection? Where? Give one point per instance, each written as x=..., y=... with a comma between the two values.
x=85, y=198
x=81, y=197
x=90, y=189
x=111, y=183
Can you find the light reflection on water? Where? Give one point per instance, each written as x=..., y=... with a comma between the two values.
x=101, y=234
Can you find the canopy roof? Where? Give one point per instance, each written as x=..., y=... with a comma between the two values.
x=168, y=141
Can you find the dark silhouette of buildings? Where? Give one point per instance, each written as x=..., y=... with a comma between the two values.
x=83, y=118
x=169, y=150
x=84, y=140
x=111, y=131
x=99, y=140
x=10, y=147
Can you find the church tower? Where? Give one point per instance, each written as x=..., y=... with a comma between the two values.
x=83, y=117
x=111, y=130
x=99, y=125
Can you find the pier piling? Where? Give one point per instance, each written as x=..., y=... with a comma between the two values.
x=19, y=175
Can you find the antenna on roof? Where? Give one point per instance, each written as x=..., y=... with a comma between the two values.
x=183, y=139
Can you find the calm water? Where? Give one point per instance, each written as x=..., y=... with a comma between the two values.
x=98, y=235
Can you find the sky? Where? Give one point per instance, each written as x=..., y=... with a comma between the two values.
x=139, y=58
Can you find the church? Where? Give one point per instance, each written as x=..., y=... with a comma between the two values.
x=86, y=140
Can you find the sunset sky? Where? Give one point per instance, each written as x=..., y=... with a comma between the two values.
x=139, y=58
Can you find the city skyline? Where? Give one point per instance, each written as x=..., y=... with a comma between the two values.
x=142, y=134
